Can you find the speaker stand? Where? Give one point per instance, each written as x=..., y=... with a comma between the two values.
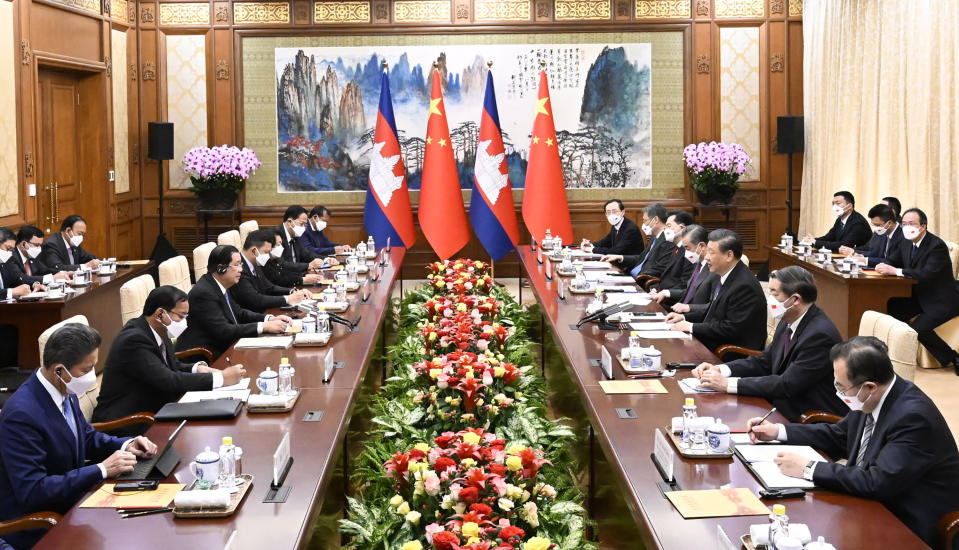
x=789, y=199
x=162, y=250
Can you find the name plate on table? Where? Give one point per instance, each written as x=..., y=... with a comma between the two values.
x=561, y=289
x=606, y=363
x=723, y=538
x=663, y=455
x=282, y=462
x=328, y=366
x=539, y=256
x=549, y=270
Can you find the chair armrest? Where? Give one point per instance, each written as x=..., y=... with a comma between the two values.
x=815, y=417
x=642, y=278
x=721, y=351
x=948, y=527
x=650, y=282
x=36, y=520
x=207, y=354
x=131, y=420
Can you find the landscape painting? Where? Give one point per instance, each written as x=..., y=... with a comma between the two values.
x=327, y=99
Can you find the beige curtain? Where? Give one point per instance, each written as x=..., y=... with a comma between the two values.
x=881, y=102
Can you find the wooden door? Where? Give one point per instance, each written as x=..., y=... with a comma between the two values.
x=60, y=174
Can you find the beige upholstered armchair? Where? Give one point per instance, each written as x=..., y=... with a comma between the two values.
x=176, y=272
x=200, y=256
x=900, y=337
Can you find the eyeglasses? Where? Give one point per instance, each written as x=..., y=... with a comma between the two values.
x=835, y=384
x=236, y=266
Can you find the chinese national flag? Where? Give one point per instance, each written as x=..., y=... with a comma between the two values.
x=442, y=214
x=544, y=198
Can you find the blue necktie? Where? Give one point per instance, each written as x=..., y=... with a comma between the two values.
x=719, y=287
x=915, y=252
x=639, y=267
x=230, y=307
x=71, y=421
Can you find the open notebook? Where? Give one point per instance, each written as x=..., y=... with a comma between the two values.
x=759, y=459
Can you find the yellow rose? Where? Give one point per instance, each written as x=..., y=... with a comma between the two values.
x=435, y=373
x=479, y=265
x=515, y=449
x=468, y=462
x=413, y=545
x=432, y=336
x=470, y=437
x=514, y=463
x=441, y=284
x=498, y=372
x=413, y=517
x=536, y=543
x=403, y=508
x=422, y=447
x=470, y=529
x=461, y=307
x=437, y=360
x=396, y=500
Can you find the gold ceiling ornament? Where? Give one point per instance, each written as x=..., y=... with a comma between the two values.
x=501, y=10
x=740, y=8
x=341, y=12
x=421, y=11
x=185, y=13
x=262, y=13
x=662, y=9
x=568, y=10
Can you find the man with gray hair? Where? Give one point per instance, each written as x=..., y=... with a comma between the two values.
x=794, y=371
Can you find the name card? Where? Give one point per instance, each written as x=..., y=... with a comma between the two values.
x=561, y=289
x=724, y=542
x=387, y=245
x=328, y=366
x=539, y=255
x=663, y=454
x=606, y=363
x=366, y=290
x=549, y=270
x=280, y=457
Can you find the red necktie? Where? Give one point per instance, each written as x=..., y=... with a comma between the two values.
x=26, y=266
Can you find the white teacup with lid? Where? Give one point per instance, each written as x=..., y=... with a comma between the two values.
x=206, y=467
x=819, y=544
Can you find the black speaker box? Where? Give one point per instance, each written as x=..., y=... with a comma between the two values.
x=160, y=141
x=789, y=134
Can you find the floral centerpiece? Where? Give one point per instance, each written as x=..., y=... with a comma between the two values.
x=460, y=277
x=219, y=173
x=714, y=170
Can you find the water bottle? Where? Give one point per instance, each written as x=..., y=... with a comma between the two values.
x=351, y=270
x=689, y=418
x=227, y=477
x=361, y=249
x=370, y=243
x=635, y=351
x=579, y=281
x=285, y=377
x=778, y=524
x=548, y=240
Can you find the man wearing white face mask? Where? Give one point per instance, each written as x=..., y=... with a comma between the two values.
x=696, y=290
x=255, y=291
x=11, y=285
x=678, y=270
x=46, y=441
x=935, y=296
x=315, y=240
x=63, y=251
x=293, y=227
x=623, y=238
x=656, y=257
x=887, y=234
x=898, y=447
x=142, y=372
x=850, y=228
x=285, y=274
x=25, y=265
x=794, y=371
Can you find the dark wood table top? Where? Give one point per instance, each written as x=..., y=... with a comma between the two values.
x=314, y=447
x=98, y=284
x=817, y=269
x=628, y=443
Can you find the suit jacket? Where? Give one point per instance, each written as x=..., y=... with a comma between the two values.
x=210, y=323
x=911, y=464
x=678, y=271
x=856, y=232
x=53, y=254
x=659, y=254
x=701, y=295
x=317, y=243
x=736, y=316
x=41, y=463
x=255, y=291
x=283, y=273
x=140, y=376
x=936, y=289
x=15, y=274
x=881, y=246
x=293, y=245
x=801, y=381
x=627, y=241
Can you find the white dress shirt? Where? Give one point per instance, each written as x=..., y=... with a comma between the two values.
x=259, y=326
x=899, y=269
x=47, y=279
x=217, y=375
x=732, y=382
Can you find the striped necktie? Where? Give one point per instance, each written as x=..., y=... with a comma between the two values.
x=866, y=436
x=692, y=285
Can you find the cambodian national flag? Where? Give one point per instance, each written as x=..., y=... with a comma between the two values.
x=388, y=213
x=492, y=212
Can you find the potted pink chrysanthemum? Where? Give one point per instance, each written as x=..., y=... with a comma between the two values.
x=219, y=173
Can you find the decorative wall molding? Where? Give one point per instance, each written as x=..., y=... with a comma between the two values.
x=740, y=8
x=462, y=11
x=776, y=63
x=221, y=12
x=262, y=13
x=185, y=13
x=702, y=8
x=108, y=66
x=301, y=12
x=776, y=7
x=26, y=55
x=501, y=10
x=147, y=14
x=795, y=8
x=421, y=11
x=106, y=7
x=662, y=9
x=569, y=10
x=702, y=64
x=542, y=10
x=28, y=164
x=343, y=12
x=622, y=9
x=92, y=6
x=381, y=11
x=133, y=71
x=222, y=70
x=131, y=12
x=149, y=71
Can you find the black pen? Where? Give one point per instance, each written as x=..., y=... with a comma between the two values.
x=761, y=420
x=146, y=513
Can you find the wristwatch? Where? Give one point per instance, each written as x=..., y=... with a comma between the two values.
x=808, y=469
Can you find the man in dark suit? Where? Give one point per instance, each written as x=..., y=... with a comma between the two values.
x=678, y=270
x=255, y=291
x=794, y=371
x=292, y=229
x=624, y=238
x=935, y=296
x=142, y=372
x=886, y=237
x=25, y=266
x=895, y=204
x=656, y=257
x=314, y=238
x=287, y=274
x=63, y=251
x=736, y=313
x=217, y=322
x=851, y=228
x=11, y=284
x=898, y=447
x=696, y=290
x=46, y=441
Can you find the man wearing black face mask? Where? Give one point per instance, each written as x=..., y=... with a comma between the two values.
x=142, y=372
x=47, y=441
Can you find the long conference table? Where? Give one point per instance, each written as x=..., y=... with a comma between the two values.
x=314, y=448
x=845, y=521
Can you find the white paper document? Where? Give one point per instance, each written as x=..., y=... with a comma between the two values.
x=243, y=384
x=264, y=342
x=605, y=277
x=621, y=289
x=594, y=264
x=761, y=459
x=636, y=298
x=648, y=317
x=665, y=335
x=197, y=396
x=693, y=385
x=650, y=326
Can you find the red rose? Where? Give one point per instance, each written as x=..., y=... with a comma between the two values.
x=444, y=540
x=442, y=463
x=444, y=440
x=511, y=531
x=498, y=469
x=481, y=509
x=469, y=494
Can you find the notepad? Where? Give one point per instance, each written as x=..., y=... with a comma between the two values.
x=264, y=342
x=197, y=396
x=632, y=386
x=644, y=327
x=106, y=497
x=664, y=335
x=693, y=385
x=636, y=299
x=243, y=384
x=591, y=264
x=717, y=503
x=759, y=459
